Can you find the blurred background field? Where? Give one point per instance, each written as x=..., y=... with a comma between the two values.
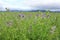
x=29, y=26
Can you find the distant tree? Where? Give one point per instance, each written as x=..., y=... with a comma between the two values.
x=7, y=9
x=38, y=10
x=48, y=11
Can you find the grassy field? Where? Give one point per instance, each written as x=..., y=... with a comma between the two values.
x=29, y=26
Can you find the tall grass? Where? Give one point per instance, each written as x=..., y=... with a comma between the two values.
x=29, y=26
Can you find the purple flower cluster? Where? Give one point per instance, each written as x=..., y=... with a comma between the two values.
x=21, y=15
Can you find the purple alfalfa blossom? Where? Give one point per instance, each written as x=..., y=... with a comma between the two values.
x=36, y=16
x=43, y=16
x=21, y=15
x=53, y=28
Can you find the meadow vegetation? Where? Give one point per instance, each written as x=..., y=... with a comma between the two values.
x=29, y=26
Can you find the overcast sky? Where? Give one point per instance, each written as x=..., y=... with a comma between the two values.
x=30, y=4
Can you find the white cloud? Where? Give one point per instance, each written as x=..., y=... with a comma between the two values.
x=10, y=0
x=27, y=4
x=40, y=2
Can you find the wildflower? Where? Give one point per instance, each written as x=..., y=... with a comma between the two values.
x=48, y=16
x=37, y=15
x=43, y=16
x=53, y=29
x=21, y=15
x=9, y=23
